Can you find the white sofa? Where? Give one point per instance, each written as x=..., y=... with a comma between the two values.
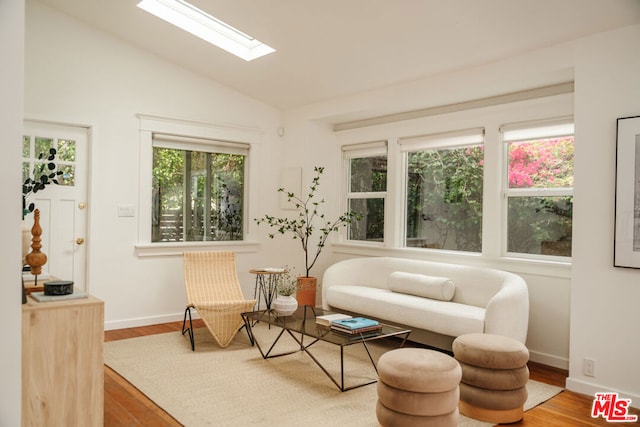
x=483, y=300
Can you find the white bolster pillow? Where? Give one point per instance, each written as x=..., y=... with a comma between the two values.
x=440, y=288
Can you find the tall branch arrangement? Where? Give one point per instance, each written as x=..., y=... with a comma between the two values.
x=302, y=227
x=44, y=173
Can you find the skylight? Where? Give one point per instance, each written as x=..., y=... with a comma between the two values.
x=201, y=24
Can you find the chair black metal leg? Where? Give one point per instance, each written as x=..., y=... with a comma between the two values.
x=190, y=328
x=247, y=327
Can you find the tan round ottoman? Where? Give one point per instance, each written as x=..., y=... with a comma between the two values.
x=417, y=387
x=494, y=377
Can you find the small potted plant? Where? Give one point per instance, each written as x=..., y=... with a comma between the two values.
x=303, y=228
x=285, y=303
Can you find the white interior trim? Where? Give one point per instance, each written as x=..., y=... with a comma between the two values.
x=527, y=131
x=366, y=149
x=150, y=126
x=524, y=95
x=455, y=138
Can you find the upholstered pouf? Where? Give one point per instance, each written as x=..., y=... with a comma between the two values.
x=417, y=387
x=494, y=377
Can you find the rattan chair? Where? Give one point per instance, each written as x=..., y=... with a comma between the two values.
x=213, y=290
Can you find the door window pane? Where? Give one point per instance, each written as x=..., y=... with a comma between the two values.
x=66, y=150
x=42, y=147
x=26, y=147
x=67, y=178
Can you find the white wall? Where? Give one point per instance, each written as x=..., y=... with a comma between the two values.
x=78, y=75
x=603, y=319
x=605, y=313
x=11, y=82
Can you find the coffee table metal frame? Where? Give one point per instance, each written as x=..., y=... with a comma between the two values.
x=303, y=322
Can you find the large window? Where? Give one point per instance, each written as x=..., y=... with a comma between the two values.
x=539, y=187
x=198, y=190
x=367, y=187
x=443, y=192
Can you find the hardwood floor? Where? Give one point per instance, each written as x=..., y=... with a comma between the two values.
x=124, y=405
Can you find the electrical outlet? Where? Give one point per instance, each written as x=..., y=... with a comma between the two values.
x=589, y=367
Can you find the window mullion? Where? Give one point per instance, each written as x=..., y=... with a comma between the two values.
x=367, y=195
x=538, y=192
x=207, y=199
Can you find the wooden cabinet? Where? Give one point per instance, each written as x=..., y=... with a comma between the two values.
x=62, y=362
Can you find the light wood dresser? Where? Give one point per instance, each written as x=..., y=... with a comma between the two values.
x=62, y=362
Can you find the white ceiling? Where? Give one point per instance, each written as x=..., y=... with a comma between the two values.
x=331, y=48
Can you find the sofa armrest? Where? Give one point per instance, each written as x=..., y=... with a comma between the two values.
x=352, y=272
x=507, y=313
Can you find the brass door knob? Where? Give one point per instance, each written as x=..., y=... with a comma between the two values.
x=79, y=240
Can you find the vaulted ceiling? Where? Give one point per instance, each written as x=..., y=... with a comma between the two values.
x=331, y=48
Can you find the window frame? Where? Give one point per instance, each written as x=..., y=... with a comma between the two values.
x=192, y=132
x=361, y=151
x=522, y=132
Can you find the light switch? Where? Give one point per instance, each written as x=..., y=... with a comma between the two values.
x=126, y=211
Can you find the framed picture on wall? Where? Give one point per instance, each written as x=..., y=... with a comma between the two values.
x=627, y=217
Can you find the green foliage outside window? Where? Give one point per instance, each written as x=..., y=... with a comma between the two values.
x=197, y=196
x=444, y=198
x=367, y=175
x=539, y=225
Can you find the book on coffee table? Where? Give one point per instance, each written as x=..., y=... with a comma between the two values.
x=354, y=323
x=356, y=326
x=326, y=319
x=368, y=330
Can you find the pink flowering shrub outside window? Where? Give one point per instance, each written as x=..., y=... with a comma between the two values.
x=541, y=163
x=539, y=217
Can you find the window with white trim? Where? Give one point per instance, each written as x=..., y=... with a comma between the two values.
x=443, y=190
x=366, y=189
x=198, y=189
x=539, y=187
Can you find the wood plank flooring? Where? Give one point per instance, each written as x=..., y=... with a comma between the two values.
x=124, y=405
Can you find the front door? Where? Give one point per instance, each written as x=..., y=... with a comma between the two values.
x=63, y=206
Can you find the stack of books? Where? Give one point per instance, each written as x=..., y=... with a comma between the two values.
x=327, y=319
x=356, y=326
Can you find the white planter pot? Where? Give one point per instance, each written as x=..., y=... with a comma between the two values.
x=285, y=305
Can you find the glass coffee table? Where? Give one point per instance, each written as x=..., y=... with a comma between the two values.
x=302, y=327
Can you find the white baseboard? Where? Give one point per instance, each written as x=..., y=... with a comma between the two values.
x=146, y=321
x=549, y=360
x=590, y=389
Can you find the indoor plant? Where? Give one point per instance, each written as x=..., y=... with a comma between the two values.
x=44, y=173
x=303, y=228
x=285, y=303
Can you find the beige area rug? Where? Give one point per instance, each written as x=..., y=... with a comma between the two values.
x=237, y=387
